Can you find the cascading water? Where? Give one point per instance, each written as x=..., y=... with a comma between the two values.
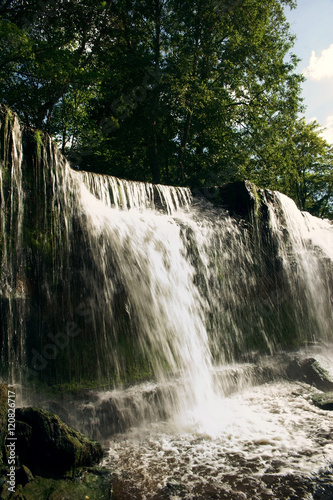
x=149, y=255
x=106, y=282
x=12, y=261
x=305, y=248
x=114, y=267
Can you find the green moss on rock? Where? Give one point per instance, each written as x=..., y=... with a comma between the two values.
x=39, y=139
x=88, y=485
x=54, y=447
x=323, y=401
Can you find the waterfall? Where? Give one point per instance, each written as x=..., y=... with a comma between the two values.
x=100, y=267
x=122, y=194
x=106, y=281
x=160, y=299
x=12, y=260
x=305, y=247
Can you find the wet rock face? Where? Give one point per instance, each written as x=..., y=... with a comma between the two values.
x=53, y=446
x=236, y=197
x=310, y=371
x=46, y=451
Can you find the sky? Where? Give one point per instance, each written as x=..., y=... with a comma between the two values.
x=311, y=22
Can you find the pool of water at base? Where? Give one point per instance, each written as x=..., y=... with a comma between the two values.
x=265, y=442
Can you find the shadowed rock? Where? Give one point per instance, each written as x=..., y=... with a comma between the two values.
x=310, y=371
x=24, y=475
x=237, y=197
x=323, y=401
x=53, y=445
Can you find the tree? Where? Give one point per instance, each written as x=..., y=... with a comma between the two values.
x=197, y=92
x=222, y=79
x=236, y=82
x=49, y=56
x=309, y=178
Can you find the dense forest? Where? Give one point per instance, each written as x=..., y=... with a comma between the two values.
x=194, y=93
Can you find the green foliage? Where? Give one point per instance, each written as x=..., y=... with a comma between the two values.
x=195, y=93
x=89, y=484
x=310, y=176
x=39, y=138
x=301, y=166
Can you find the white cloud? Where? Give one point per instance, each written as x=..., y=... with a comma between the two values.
x=320, y=67
x=328, y=132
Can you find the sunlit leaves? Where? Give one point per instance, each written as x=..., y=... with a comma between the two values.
x=194, y=92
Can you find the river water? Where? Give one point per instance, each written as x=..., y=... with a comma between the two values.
x=266, y=441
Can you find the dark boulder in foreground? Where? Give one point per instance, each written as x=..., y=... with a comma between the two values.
x=53, y=445
x=323, y=401
x=310, y=371
x=24, y=475
x=53, y=460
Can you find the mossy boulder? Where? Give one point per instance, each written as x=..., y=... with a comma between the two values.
x=53, y=447
x=95, y=484
x=323, y=401
x=309, y=370
x=23, y=433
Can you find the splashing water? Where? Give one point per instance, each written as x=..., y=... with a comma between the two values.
x=270, y=444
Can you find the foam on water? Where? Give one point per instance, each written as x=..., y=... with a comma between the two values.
x=261, y=437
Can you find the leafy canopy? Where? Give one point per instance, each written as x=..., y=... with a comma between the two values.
x=195, y=92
